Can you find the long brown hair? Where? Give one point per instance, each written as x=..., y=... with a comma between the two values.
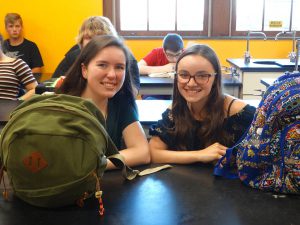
x=75, y=83
x=211, y=125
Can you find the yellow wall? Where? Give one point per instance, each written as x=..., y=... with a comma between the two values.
x=224, y=48
x=53, y=25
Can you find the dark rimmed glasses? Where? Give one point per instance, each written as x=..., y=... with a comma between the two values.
x=173, y=55
x=200, y=78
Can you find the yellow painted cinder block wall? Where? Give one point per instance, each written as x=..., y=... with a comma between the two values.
x=53, y=25
x=224, y=48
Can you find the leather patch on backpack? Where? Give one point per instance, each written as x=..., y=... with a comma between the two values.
x=35, y=162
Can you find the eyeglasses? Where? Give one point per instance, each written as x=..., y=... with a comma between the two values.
x=199, y=78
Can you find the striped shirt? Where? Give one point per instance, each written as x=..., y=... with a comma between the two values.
x=14, y=75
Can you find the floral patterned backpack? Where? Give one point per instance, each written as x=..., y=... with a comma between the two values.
x=268, y=156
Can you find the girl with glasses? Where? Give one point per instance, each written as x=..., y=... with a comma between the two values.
x=202, y=121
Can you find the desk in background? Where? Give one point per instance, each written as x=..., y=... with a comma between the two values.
x=184, y=194
x=149, y=110
x=251, y=73
x=232, y=86
x=155, y=86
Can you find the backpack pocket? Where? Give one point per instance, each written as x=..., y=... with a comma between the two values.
x=290, y=157
x=52, y=171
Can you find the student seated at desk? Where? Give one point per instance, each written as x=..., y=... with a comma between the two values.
x=92, y=26
x=15, y=73
x=16, y=46
x=201, y=122
x=99, y=74
x=162, y=60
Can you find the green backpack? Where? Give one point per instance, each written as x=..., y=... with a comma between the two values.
x=54, y=150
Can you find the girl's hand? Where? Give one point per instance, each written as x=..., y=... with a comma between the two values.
x=212, y=153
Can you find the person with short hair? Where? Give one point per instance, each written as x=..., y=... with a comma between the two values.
x=92, y=26
x=16, y=46
x=99, y=74
x=162, y=59
x=14, y=74
x=202, y=121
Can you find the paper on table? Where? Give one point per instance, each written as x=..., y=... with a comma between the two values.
x=164, y=74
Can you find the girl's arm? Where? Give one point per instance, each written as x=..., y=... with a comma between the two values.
x=30, y=90
x=160, y=153
x=137, y=151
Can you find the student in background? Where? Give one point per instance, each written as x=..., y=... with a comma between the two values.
x=99, y=74
x=162, y=59
x=16, y=46
x=92, y=26
x=13, y=74
x=202, y=122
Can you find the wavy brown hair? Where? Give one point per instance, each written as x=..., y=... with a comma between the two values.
x=212, y=123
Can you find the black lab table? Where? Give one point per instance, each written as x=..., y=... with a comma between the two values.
x=187, y=194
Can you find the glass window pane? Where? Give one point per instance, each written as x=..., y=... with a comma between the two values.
x=190, y=14
x=296, y=15
x=132, y=19
x=249, y=15
x=277, y=10
x=162, y=14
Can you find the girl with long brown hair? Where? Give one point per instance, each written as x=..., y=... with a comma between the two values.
x=99, y=74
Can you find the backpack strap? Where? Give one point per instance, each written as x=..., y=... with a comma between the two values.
x=118, y=160
x=229, y=107
x=5, y=192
